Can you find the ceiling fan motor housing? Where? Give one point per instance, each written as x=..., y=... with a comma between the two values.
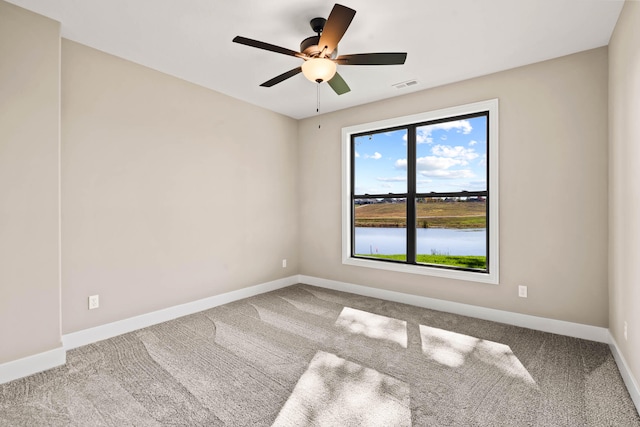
x=309, y=47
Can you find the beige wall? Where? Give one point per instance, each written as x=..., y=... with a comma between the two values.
x=29, y=212
x=170, y=192
x=624, y=184
x=553, y=190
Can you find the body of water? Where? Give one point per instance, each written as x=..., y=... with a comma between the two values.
x=446, y=241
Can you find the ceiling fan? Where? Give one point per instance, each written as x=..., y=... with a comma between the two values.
x=320, y=52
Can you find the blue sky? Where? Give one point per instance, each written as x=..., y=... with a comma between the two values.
x=451, y=156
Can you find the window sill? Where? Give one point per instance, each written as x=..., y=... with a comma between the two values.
x=490, y=278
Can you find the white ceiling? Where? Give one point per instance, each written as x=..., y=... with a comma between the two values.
x=446, y=41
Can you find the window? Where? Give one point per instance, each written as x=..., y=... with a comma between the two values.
x=420, y=193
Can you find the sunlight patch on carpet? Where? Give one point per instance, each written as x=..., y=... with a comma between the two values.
x=335, y=391
x=446, y=347
x=373, y=326
x=453, y=349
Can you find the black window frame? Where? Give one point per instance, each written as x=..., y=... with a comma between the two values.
x=412, y=195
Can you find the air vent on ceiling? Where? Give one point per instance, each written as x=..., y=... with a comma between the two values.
x=402, y=85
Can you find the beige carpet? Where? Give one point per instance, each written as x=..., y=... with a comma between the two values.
x=310, y=356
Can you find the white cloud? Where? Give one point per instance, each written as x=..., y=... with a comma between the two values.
x=457, y=152
x=430, y=163
x=357, y=154
x=424, y=132
x=444, y=162
x=448, y=174
x=461, y=125
x=472, y=143
x=424, y=139
x=423, y=136
x=438, y=168
x=393, y=179
x=374, y=156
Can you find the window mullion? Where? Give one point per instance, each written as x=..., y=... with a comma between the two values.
x=411, y=194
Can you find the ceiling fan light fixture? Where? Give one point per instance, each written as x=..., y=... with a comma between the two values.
x=319, y=69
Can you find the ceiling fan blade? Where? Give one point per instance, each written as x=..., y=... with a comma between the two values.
x=266, y=46
x=388, y=58
x=335, y=27
x=338, y=84
x=282, y=77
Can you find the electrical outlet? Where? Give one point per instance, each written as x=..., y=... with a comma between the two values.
x=284, y=263
x=94, y=301
x=522, y=291
x=625, y=330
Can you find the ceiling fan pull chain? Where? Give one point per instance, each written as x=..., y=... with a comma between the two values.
x=318, y=101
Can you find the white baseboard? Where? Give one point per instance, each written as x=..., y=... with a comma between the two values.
x=625, y=372
x=32, y=364
x=577, y=330
x=102, y=332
